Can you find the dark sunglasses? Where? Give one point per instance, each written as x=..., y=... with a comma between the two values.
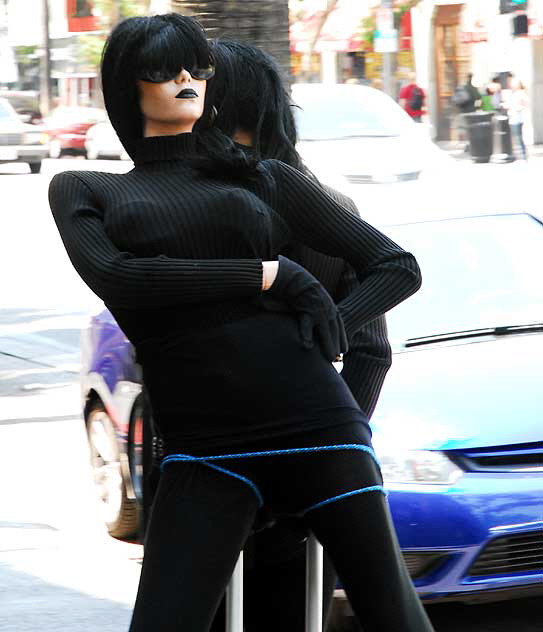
x=160, y=76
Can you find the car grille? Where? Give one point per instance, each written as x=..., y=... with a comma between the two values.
x=527, y=457
x=510, y=554
x=420, y=564
x=360, y=178
x=11, y=139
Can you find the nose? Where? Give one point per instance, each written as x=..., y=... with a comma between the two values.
x=183, y=77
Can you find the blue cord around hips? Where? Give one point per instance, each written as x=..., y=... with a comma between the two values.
x=204, y=460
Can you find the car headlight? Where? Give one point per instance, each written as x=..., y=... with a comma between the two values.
x=34, y=138
x=418, y=466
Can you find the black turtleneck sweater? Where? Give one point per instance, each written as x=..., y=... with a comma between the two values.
x=169, y=250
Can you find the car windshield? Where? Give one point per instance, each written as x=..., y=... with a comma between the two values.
x=6, y=113
x=477, y=272
x=327, y=114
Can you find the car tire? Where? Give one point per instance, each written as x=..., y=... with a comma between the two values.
x=120, y=512
x=55, y=149
x=35, y=167
x=91, y=154
x=135, y=448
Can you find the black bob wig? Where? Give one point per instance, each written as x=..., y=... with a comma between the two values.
x=249, y=93
x=156, y=48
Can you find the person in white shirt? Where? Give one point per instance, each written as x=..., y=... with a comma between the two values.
x=516, y=104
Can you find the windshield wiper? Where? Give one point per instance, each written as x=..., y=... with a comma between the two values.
x=501, y=330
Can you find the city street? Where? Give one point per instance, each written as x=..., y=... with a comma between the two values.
x=59, y=570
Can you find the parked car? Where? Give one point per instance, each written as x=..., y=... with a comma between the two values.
x=101, y=141
x=371, y=138
x=67, y=127
x=20, y=142
x=458, y=426
x=26, y=103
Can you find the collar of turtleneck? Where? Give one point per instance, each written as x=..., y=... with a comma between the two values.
x=161, y=148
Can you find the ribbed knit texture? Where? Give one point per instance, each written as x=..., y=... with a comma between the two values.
x=162, y=236
x=369, y=358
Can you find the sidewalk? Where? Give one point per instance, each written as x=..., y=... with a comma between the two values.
x=456, y=149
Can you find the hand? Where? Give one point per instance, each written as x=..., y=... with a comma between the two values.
x=317, y=314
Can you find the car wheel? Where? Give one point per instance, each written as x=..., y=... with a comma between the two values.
x=55, y=149
x=35, y=167
x=135, y=448
x=120, y=513
x=91, y=154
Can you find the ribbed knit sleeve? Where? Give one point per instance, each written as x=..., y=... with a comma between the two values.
x=369, y=357
x=387, y=273
x=123, y=280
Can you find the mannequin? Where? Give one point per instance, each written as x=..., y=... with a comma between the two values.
x=175, y=249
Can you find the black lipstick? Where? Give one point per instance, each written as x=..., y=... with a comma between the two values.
x=187, y=93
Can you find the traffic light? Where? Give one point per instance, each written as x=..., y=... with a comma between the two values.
x=520, y=24
x=508, y=6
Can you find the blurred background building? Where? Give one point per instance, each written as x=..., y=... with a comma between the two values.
x=330, y=41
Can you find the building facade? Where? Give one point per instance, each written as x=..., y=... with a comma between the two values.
x=452, y=39
x=73, y=24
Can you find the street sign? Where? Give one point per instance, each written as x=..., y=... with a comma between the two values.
x=509, y=6
x=386, y=42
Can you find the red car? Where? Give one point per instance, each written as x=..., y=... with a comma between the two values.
x=67, y=127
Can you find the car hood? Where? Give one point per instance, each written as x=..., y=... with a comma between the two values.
x=377, y=156
x=466, y=395
x=11, y=127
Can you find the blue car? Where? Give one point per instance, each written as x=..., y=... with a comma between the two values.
x=458, y=428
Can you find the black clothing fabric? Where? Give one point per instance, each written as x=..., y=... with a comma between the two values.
x=250, y=378
x=201, y=519
x=177, y=259
x=369, y=357
x=276, y=553
x=176, y=256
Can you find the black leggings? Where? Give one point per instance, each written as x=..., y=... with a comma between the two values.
x=201, y=519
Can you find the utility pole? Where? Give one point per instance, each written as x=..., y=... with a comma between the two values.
x=45, y=63
x=388, y=56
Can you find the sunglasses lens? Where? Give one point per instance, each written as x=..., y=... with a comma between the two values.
x=157, y=76
x=160, y=76
x=202, y=73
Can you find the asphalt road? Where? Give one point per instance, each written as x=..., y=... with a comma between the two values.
x=58, y=568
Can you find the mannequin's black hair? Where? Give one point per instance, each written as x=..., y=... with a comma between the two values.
x=249, y=93
x=156, y=48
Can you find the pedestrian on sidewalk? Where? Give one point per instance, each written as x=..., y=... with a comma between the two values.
x=466, y=98
x=516, y=104
x=412, y=98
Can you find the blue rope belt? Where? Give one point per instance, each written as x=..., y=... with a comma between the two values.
x=184, y=458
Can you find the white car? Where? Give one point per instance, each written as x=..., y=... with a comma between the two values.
x=353, y=136
x=101, y=141
x=21, y=142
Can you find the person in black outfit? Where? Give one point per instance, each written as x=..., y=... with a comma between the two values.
x=235, y=340
x=465, y=98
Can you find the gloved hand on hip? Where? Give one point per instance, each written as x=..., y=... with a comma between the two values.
x=318, y=315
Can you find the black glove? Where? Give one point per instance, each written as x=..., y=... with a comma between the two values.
x=316, y=311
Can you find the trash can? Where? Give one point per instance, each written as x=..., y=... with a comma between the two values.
x=503, y=146
x=480, y=135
